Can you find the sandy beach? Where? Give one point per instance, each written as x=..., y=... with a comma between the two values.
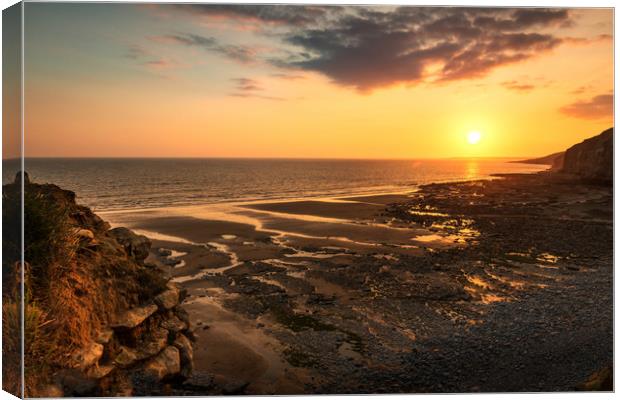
x=426, y=291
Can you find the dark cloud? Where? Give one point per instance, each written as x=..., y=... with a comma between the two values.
x=241, y=54
x=371, y=47
x=518, y=86
x=601, y=106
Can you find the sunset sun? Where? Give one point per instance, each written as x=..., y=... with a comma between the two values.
x=474, y=137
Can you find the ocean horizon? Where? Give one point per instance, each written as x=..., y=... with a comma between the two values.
x=108, y=184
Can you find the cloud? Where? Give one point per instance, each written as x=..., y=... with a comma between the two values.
x=260, y=14
x=288, y=77
x=586, y=41
x=601, y=106
x=135, y=52
x=246, y=87
x=238, y=53
x=518, y=86
x=367, y=47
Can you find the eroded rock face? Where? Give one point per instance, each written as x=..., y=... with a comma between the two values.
x=593, y=158
x=136, y=246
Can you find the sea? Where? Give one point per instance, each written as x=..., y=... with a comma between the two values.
x=107, y=184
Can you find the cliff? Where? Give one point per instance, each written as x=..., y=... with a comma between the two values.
x=98, y=321
x=555, y=160
x=592, y=159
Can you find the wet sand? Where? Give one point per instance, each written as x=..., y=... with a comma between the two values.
x=376, y=293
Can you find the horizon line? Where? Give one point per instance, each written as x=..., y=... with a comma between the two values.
x=261, y=158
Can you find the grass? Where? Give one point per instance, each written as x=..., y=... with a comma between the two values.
x=71, y=291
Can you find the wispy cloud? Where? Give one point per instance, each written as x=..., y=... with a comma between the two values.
x=238, y=53
x=518, y=86
x=601, y=106
x=246, y=87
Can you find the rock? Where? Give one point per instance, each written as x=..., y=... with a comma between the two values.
x=165, y=364
x=593, y=158
x=601, y=380
x=105, y=336
x=183, y=315
x=126, y=357
x=167, y=299
x=51, y=391
x=76, y=383
x=155, y=343
x=87, y=356
x=134, y=317
x=136, y=246
x=100, y=371
x=174, y=324
x=186, y=352
x=84, y=234
x=164, y=252
x=200, y=381
x=234, y=387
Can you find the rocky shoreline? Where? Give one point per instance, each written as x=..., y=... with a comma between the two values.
x=498, y=285
x=498, y=296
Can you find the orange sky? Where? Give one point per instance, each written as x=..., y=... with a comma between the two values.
x=197, y=81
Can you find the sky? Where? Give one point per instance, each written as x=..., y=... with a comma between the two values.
x=195, y=80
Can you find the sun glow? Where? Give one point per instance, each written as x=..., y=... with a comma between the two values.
x=474, y=137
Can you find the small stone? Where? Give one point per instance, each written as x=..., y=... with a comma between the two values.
x=85, y=234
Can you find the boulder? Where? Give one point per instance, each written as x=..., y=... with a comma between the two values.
x=174, y=324
x=136, y=246
x=134, y=317
x=167, y=299
x=166, y=364
x=186, y=352
x=154, y=344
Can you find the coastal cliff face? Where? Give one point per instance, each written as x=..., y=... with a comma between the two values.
x=592, y=159
x=99, y=321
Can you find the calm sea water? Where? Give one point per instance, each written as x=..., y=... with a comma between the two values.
x=111, y=184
